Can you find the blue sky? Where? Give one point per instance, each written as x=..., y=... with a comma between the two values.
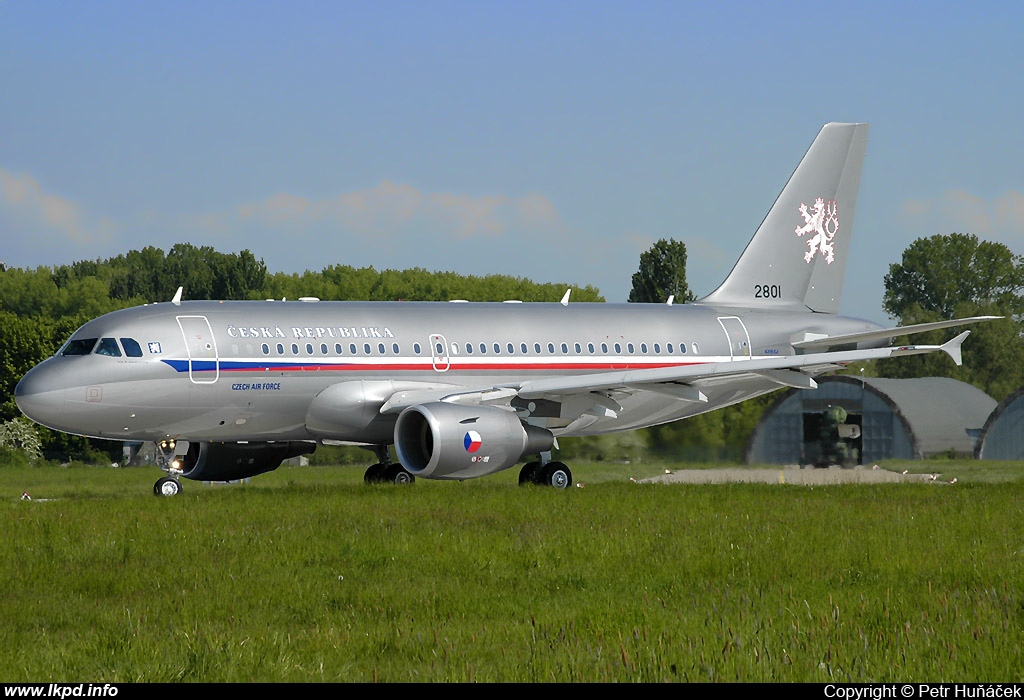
x=551, y=140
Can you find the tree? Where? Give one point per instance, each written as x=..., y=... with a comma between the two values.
x=954, y=276
x=662, y=274
x=939, y=273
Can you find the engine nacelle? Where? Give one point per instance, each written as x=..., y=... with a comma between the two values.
x=211, y=461
x=449, y=441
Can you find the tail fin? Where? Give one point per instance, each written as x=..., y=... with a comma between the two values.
x=797, y=257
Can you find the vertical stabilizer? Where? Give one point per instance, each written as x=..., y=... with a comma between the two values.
x=797, y=257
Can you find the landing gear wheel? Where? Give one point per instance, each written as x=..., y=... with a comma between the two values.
x=167, y=486
x=556, y=475
x=397, y=474
x=528, y=474
x=375, y=474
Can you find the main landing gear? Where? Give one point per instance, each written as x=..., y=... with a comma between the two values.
x=386, y=472
x=553, y=474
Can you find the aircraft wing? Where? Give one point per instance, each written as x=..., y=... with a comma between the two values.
x=787, y=370
x=681, y=382
x=825, y=342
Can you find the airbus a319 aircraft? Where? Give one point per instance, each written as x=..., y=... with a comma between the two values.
x=230, y=389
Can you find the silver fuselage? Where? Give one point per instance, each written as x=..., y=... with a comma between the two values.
x=238, y=371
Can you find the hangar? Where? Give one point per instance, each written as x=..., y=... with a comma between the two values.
x=860, y=420
x=1002, y=436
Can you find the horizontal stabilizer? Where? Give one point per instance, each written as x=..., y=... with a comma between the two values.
x=951, y=348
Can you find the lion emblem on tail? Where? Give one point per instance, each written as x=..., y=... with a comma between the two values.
x=822, y=220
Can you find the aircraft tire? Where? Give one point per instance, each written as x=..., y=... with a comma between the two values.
x=528, y=474
x=555, y=475
x=167, y=486
x=375, y=474
x=397, y=474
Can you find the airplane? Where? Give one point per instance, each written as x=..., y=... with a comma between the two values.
x=230, y=389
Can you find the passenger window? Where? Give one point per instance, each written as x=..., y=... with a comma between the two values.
x=590, y=348
x=669, y=348
x=578, y=349
x=629, y=346
x=657, y=348
x=536, y=348
x=511, y=349
x=366, y=348
x=551, y=348
x=266, y=349
x=394, y=347
x=604, y=348
x=696, y=350
x=323, y=348
x=416, y=348
x=108, y=346
x=131, y=347
x=643, y=348
x=682, y=348
x=280, y=348
x=469, y=348
x=618, y=349
x=565, y=349
x=497, y=349
x=522, y=346
x=309, y=348
x=337, y=348
x=295, y=348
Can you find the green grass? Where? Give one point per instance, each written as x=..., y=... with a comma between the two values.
x=306, y=574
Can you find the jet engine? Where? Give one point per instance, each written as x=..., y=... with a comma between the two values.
x=211, y=461
x=449, y=441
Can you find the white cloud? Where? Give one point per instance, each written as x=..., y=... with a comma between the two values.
x=964, y=212
x=390, y=208
x=28, y=209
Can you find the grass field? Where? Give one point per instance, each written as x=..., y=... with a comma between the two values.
x=306, y=574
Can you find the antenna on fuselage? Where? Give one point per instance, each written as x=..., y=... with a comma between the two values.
x=177, y=297
x=671, y=298
x=565, y=299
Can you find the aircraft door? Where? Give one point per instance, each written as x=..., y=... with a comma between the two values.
x=439, y=353
x=736, y=334
x=203, y=361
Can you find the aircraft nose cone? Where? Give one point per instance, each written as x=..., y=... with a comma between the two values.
x=40, y=394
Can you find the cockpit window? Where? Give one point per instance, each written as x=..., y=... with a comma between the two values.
x=131, y=347
x=108, y=346
x=81, y=346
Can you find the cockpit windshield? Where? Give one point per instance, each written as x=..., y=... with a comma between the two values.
x=80, y=346
x=131, y=347
x=102, y=346
x=108, y=346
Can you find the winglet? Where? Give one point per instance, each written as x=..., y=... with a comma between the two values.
x=952, y=348
x=177, y=297
x=565, y=299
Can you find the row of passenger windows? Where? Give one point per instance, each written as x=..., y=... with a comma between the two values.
x=483, y=349
x=103, y=346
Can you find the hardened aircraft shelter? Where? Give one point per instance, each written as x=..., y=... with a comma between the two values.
x=884, y=419
x=1003, y=434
